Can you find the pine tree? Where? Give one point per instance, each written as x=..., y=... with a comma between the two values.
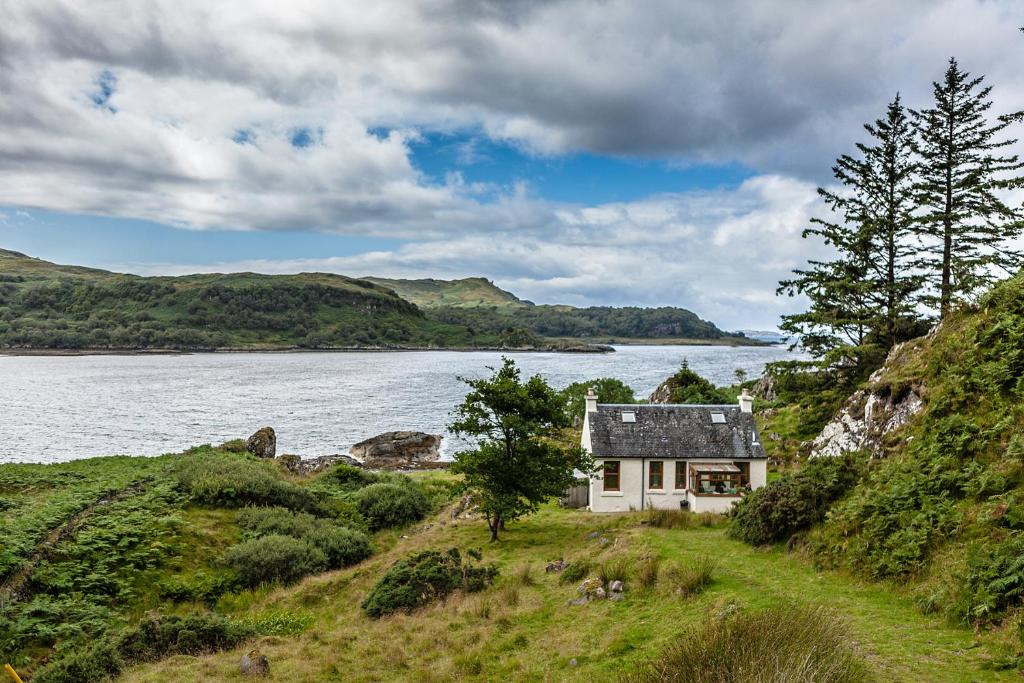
x=861, y=301
x=887, y=174
x=963, y=222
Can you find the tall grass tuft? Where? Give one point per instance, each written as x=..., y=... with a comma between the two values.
x=781, y=645
x=576, y=571
x=670, y=519
x=692, y=578
x=647, y=570
x=614, y=569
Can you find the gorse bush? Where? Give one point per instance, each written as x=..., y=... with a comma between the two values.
x=794, y=502
x=230, y=480
x=154, y=638
x=386, y=505
x=781, y=645
x=275, y=558
x=342, y=546
x=423, y=578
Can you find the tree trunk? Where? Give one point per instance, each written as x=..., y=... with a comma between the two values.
x=495, y=524
x=946, y=294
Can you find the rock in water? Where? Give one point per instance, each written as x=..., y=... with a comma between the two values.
x=255, y=664
x=398, y=450
x=292, y=463
x=262, y=444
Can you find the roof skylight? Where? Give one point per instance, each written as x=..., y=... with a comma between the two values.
x=718, y=418
x=628, y=416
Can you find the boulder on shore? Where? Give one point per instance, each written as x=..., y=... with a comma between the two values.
x=399, y=451
x=262, y=444
x=321, y=463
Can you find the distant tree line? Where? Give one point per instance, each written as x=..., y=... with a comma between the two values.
x=594, y=322
x=919, y=223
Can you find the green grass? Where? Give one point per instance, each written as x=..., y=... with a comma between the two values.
x=524, y=630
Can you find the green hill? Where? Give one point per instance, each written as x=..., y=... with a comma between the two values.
x=938, y=504
x=470, y=292
x=48, y=306
x=44, y=305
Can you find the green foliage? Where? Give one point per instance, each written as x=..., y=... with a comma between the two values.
x=154, y=638
x=964, y=220
x=686, y=386
x=994, y=581
x=423, y=578
x=777, y=644
x=233, y=480
x=693, y=577
x=517, y=464
x=575, y=571
x=386, y=505
x=608, y=390
x=341, y=545
x=200, y=587
x=793, y=502
x=273, y=558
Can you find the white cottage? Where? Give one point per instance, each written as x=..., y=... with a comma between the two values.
x=693, y=457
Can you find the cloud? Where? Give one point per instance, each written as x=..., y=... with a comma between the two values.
x=265, y=116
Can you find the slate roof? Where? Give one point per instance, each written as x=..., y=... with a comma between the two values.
x=673, y=431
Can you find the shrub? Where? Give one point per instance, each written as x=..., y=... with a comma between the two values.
x=423, y=578
x=275, y=558
x=794, y=502
x=994, y=581
x=576, y=570
x=154, y=638
x=200, y=586
x=779, y=644
x=342, y=546
x=347, y=478
x=386, y=505
x=237, y=481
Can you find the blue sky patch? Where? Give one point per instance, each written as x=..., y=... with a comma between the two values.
x=305, y=137
x=576, y=178
x=106, y=86
x=244, y=136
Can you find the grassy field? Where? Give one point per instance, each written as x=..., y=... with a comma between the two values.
x=522, y=628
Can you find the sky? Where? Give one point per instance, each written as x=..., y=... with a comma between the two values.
x=601, y=152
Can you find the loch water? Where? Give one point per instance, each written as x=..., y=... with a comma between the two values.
x=58, y=408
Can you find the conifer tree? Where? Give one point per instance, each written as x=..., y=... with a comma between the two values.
x=964, y=223
x=861, y=300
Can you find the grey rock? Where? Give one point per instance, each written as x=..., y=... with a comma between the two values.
x=290, y=462
x=579, y=601
x=321, y=463
x=556, y=566
x=593, y=534
x=262, y=444
x=616, y=586
x=572, y=662
x=870, y=414
x=254, y=664
x=600, y=594
x=399, y=451
x=615, y=597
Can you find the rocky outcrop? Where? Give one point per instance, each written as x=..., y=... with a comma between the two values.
x=262, y=444
x=254, y=664
x=870, y=415
x=313, y=465
x=399, y=451
x=663, y=393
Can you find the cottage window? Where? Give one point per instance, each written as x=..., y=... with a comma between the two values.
x=656, y=475
x=611, y=475
x=716, y=480
x=744, y=472
x=680, y=475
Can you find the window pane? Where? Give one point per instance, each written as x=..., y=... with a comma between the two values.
x=680, y=475
x=611, y=475
x=656, y=478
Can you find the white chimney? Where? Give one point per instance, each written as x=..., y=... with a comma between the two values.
x=746, y=402
x=591, y=400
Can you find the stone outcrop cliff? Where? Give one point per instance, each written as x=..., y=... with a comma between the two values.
x=398, y=451
x=869, y=416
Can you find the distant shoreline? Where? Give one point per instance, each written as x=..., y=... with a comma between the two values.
x=585, y=347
